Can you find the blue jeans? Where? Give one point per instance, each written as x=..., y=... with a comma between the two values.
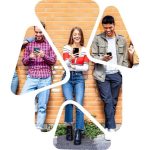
x=14, y=83
x=32, y=84
x=74, y=87
x=109, y=91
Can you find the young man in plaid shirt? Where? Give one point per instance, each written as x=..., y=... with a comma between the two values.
x=39, y=57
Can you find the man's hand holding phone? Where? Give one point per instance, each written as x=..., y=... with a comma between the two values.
x=38, y=52
x=32, y=55
x=41, y=53
x=107, y=56
x=109, y=53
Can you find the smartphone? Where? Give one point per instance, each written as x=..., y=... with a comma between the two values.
x=36, y=50
x=109, y=53
x=75, y=50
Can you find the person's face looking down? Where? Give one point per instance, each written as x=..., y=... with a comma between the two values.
x=38, y=34
x=109, y=29
x=76, y=36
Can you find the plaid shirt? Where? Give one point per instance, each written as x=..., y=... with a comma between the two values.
x=39, y=67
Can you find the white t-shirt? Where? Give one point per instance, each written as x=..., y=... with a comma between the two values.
x=112, y=49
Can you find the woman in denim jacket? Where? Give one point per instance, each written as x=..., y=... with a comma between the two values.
x=74, y=54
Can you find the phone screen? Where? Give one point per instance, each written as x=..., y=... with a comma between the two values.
x=75, y=50
x=36, y=49
x=109, y=53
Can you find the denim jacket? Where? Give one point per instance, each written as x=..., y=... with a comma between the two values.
x=99, y=48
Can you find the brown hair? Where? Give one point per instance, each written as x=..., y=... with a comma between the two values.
x=70, y=42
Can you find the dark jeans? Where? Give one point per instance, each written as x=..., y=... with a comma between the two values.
x=109, y=91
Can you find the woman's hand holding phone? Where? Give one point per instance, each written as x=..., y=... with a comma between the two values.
x=71, y=57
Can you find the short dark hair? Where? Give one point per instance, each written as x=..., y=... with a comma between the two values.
x=70, y=42
x=43, y=24
x=108, y=20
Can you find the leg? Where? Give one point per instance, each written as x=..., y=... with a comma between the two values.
x=79, y=95
x=105, y=93
x=116, y=82
x=30, y=85
x=43, y=98
x=36, y=104
x=68, y=94
x=67, y=89
x=14, y=83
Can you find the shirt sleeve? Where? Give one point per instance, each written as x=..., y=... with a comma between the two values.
x=86, y=60
x=66, y=55
x=83, y=67
x=125, y=57
x=30, y=39
x=26, y=56
x=51, y=58
x=95, y=49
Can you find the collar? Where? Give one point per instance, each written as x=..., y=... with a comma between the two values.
x=103, y=35
x=43, y=40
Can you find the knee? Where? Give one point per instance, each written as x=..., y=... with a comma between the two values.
x=107, y=101
x=42, y=108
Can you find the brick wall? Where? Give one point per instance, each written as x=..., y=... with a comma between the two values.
x=60, y=16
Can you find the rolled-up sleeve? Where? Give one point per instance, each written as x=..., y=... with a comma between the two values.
x=26, y=56
x=51, y=58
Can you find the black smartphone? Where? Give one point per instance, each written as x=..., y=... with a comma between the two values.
x=36, y=50
x=109, y=53
x=75, y=50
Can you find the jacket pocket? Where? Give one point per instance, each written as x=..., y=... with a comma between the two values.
x=102, y=49
x=120, y=49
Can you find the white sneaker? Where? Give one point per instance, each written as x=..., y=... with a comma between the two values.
x=107, y=129
x=40, y=128
x=111, y=130
x=109, y=134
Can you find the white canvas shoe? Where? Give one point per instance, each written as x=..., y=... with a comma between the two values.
x=109, y=134
x=111, y=130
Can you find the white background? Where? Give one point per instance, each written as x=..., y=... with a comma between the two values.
x=17, y=130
